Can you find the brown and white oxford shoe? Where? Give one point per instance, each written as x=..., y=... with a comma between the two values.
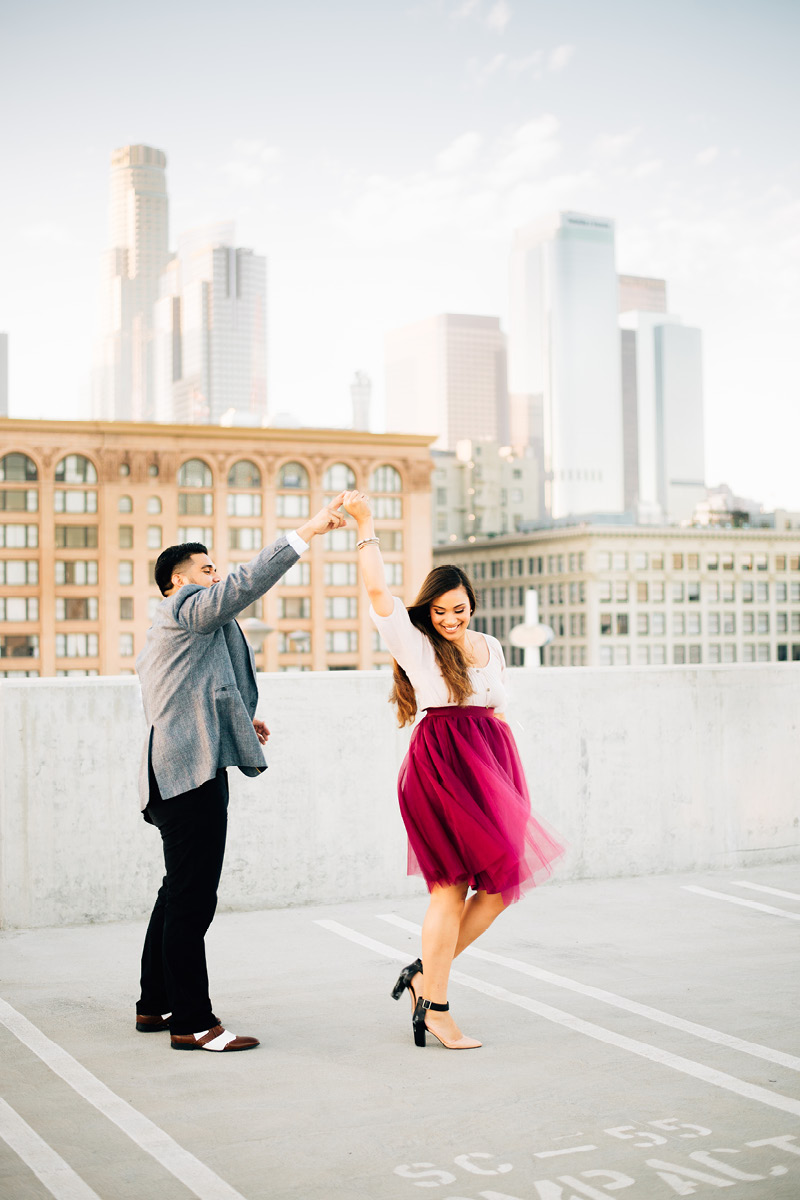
x=156, y=1024
x=218, y=1039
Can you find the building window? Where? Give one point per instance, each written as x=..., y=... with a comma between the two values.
x=195, y=504
x=746, y=562
x=693, y=592
x=18, y=572
x=714, y=653
x=394, y=574
x=343, y=539
x=152, y=470
x=641, y=593
x=387, y=508
x=762, y=593
x=291, y=505
x=153, y=505
x=762, y=622
x=125, y=504
x=642, y=624
x=76, y=537
x=292, y=475
x=693, y=624
x=17, y=468
x=748, y=622
x=781, y=593
x=76, y=608
x=762, y=652
x=125, y=537
x=695, y=654
x=783, y=653
x=126, y=608
x=75, y=502
x=658, y=656
x=385, y=479
x=677, y=591
x=499, y=627
x=693, y=562
x=75, y=469
x=124, y=470
x=341, y=641
x=713, y=623
x=195, y=474
x=197, y=533
x=728, y=593
x=20, y=645
x=679, y=654
x=677, y=562
x=658, y=624
x=727, y=562
x=81, y=572
x=621, y=592
x=781, y=622
x=341, y=608
x=244, y=474
x=339, y=478
x=244, y=537
x=657, y=592
x=153, y=537
x=338, y=574
x=19, y=608
x=748, y=652
x=712, y=562
x=657, y=562
x=605, y=656
x=678, y=623
x=605, y=624
x=622, y=624
x=76, y=645
x=642, y=656
x=298, y=576
x=125, y=645
x=619, y=560
x=19, y=500
x=748, y=592
x=125, y=573
x=729, y=621
x=296, y=608
x=603, y=560
x=245, y=504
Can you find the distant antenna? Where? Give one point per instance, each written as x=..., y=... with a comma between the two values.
x=361, y=396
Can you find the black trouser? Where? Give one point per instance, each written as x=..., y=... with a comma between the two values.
x=174, y=975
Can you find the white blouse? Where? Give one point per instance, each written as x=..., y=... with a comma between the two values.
x=415, y=654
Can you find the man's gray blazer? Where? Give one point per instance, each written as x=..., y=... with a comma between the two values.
x=198, y=679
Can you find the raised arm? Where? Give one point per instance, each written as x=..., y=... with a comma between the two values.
x=370, y=559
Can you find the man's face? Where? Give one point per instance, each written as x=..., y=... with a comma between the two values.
x=199, y=569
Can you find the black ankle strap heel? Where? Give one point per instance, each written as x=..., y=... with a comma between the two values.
x=418, y=1020
x=405, y=977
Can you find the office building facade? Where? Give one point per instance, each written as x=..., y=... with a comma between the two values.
x=564, y=347
x=447, y=376
x=483, y=489
x=86, y=508
x=637, y=596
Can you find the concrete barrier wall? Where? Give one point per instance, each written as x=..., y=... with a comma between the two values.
x=640, y=770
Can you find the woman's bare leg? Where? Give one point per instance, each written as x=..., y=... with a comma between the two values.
x=476, y=917
x=440, y=932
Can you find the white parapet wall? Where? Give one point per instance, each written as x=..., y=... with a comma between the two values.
x=641, y=771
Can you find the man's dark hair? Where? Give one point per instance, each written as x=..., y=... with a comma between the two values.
x=172, y=559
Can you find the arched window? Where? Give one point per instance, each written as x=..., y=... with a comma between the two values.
x=339, y=478
x=244, y=474
x=292, y=475
x=195, y=473
x=385, y=479
x=17, y=468
x=125, y=504
x=75, y=468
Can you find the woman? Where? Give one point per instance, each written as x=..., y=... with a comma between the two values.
x=462, y=791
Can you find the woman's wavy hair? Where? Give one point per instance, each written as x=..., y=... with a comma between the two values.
x=449, y=657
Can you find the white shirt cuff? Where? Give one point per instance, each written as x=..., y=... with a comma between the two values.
x=296, y=542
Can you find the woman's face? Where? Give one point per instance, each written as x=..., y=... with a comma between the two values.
x=450, y=614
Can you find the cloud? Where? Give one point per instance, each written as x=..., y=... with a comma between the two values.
x=559, y=57
x=481, y=73
x=706, y=156
x=650, y=166
x=248, y=167
x=527, y=150
x=612, y=145
x=460, y=152
x=498, y=17
x=531, y=62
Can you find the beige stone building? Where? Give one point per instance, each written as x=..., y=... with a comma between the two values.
x=87, y=506
x=642, y=595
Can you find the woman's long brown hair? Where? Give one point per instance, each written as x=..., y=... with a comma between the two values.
x=449, y=657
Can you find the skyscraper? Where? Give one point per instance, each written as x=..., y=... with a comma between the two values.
x=564, y=348
x=211, y=332
x=361, y=397
x=641, y=294
x=447, y=375
x=138, y=253
x=662, y=385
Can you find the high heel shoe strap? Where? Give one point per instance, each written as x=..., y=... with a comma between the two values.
x=429, y=1004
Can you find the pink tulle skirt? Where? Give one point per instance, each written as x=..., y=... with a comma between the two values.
x=466, y=808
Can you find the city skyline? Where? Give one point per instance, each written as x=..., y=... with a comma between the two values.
x=444, y=127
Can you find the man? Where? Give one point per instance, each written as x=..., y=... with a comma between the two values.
x=199, y=692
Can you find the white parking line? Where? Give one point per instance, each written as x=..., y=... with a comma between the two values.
x=762, y=887
x=192, y=1173
x=48, y=1166
x=767, y=908
x=665, y=1058
x=643, y=1010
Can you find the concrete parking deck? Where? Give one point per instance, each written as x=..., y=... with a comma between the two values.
x=640, y=1035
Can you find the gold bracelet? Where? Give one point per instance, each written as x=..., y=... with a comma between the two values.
x=373, y=541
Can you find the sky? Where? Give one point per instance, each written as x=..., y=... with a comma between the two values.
x=381, y=154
